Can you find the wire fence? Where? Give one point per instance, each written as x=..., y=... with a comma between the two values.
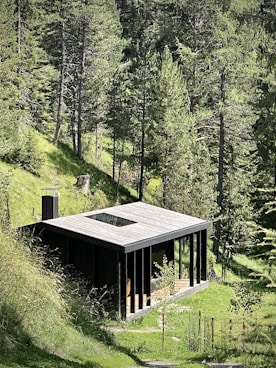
x=237, y=335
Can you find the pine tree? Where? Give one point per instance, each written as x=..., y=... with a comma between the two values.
x=8, y=79
x=143, y=75
x=170, y=126
x=236, y=69
x=18, y=48
x=265, y=127
x=119, y=120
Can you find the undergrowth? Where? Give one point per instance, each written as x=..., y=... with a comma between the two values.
x=36, y=314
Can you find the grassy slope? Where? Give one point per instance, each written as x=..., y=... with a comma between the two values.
x=35, y=325
x=55, y=342
x=60, y=169
x=255, y=348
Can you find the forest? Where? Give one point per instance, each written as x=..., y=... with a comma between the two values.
x=183, y=92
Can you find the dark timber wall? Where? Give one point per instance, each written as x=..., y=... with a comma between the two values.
x=97, y=264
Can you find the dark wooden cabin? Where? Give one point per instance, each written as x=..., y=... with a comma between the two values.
x=118, y=246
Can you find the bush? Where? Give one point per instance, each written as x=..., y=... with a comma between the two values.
x=25, y=153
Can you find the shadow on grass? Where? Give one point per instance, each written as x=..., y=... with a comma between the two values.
x=106, y=337
x=67, y=162
x=33, y=357
x=254, y=281
x=239, y=269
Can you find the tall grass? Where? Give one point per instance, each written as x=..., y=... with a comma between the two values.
x=31, y=306
x=36, y=316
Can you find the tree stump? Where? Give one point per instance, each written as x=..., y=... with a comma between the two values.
x=83, y=182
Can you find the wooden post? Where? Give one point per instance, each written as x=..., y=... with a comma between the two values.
x=180, y=258
x=212, y=333
x=140, y=276
x=132, y=274
x=205, y=334
x=199, y=330
x=192, y=260
x=122, y=285
x=198, y=257
x=204, y=255
x=163, y=330
x=148, y=273
x=230, y=329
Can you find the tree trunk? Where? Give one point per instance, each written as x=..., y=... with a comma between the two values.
x=120, y=171
x=73, y=120
x=19, y=27
x=165, y=178
x=142, y=158
x=218, y=223
x=61, y=77
x=142, y=167
x=80, y=91
x=114, y=157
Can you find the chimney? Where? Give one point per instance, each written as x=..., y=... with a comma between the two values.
x=49, y=205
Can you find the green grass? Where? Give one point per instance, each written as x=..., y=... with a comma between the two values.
x=144, y=336
x=35, y=322
x=36, y=328
x=148, y=341
x=59, y=169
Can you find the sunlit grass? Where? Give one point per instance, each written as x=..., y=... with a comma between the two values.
x=34, y=313
x=182, y=321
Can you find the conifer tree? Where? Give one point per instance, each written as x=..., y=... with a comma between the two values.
x=235, y=63
x=18, y=49
x=143, y=75
x=170, y=124
x=8, y=78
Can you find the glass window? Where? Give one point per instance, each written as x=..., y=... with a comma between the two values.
x=110, y=219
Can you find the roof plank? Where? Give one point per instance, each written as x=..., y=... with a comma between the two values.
x=152, y=225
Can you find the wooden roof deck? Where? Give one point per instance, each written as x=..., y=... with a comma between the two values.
x=152, y=225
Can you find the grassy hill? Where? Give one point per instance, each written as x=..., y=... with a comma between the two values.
x=43, y=324
x=59, y=169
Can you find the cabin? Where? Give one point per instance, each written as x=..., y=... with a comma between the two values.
x=118, y=247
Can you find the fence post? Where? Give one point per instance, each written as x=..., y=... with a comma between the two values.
x=212, y=332
x=230, y=330
x=199, y=330
x=205, y=333
x=163, y=330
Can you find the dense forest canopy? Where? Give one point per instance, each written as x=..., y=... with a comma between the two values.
x=184, y=90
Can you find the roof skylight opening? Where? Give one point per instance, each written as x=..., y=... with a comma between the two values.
x=111, y=219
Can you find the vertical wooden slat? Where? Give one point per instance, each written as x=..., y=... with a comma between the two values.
x=122, y=294
x=180, y=258
x=119, y=286
x=191, y=259
x=148, y=273
x=198, y=257
x=204, y=255
x=132, y=274
x=140, y=276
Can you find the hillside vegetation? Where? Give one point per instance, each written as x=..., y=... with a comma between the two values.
x=58, y=170
x=45, y=323
x=168, y=102
x=38, y=322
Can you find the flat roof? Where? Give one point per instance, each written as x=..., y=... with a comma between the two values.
x=145, y=225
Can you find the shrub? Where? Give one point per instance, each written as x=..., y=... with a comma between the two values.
x=25, y=153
